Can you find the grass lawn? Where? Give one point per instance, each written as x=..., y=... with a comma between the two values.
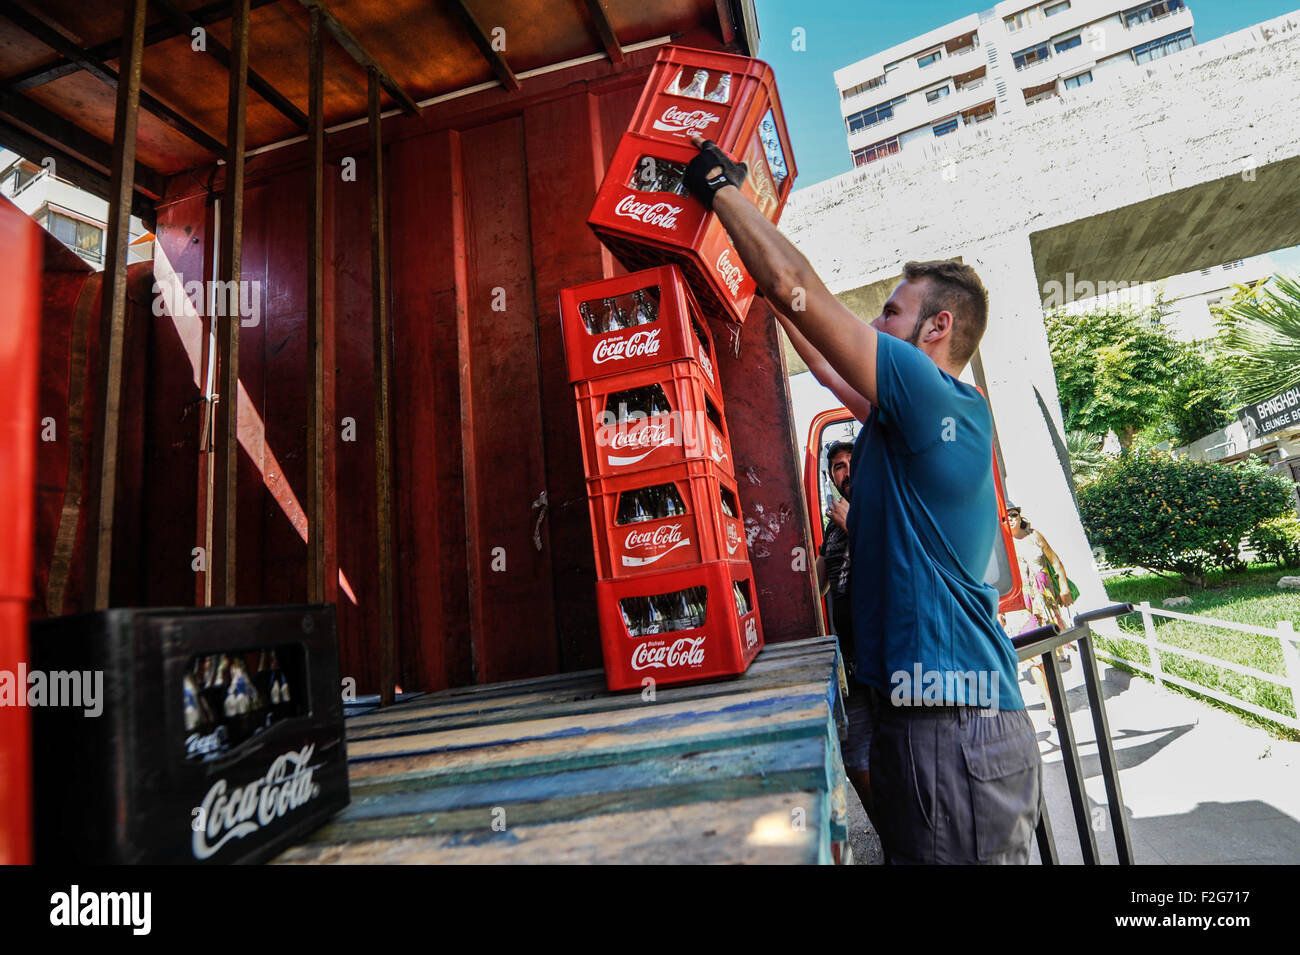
x=1250, y=596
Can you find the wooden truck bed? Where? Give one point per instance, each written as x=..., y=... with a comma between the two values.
x=558, y=770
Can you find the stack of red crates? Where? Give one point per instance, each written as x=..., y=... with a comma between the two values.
x=675, y=593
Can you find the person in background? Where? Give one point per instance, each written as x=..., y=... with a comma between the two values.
x=1046, y=591
x=832, y=575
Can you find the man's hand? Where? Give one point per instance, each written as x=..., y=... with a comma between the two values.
x=839, y=513
x=711, y=171
x=786, y=279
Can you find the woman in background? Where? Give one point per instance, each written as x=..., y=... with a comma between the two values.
x=1046, y=591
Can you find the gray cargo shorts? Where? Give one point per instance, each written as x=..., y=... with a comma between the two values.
x=954, y=787
x=858, y=709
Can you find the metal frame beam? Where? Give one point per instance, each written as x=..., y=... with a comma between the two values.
x=382, y=336
x=343, y=36
x=316, y=315
x=500, y=67
x=600, y=17
x=74, y=141
x=112, y=49
x=96, y=67
x=99, y=555
x=186, y=23
x=225, y=517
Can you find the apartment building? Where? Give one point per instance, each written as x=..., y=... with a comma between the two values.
x=1009, y=58
x=73, y=216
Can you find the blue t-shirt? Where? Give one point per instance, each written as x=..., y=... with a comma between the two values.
x=922, y=527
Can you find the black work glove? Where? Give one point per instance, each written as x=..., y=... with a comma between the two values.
x=698, y=181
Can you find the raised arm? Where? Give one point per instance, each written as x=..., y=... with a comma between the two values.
x=859, y=406
x=1050, y=556
x=787, y=280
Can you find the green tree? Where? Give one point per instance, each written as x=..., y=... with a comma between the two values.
x=1259, y=338
x=1199, y=399
x=1113, y=366
x=1087, y=460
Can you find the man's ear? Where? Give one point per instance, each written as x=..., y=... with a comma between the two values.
x=940, y=326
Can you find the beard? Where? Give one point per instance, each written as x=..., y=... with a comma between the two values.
x=844, y=490
x=915, y=337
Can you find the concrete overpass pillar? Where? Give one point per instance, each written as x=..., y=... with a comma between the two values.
x=1021, y=386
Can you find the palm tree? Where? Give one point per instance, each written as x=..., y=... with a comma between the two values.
x=1260, y=338
x=1086, y=457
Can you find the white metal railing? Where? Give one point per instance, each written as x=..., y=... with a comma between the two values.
x=1284, y=633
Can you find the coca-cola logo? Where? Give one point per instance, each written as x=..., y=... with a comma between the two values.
x=636, y=345
x=650, y=438
x=730, y=272
x=718, y=454
x=680, y=121
x=666, y=536
x=733, y=537
x=685, y=652
x=751, y=633
x=707, y=365
x=662, y=214
x=286, y=786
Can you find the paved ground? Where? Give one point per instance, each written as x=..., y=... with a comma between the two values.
x=1199, y=786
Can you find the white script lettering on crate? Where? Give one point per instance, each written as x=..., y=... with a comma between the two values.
x=259, y=803
x=676, y=120
x=634, y=346
x=662, y=214
x=684, y=652
x=730, y=272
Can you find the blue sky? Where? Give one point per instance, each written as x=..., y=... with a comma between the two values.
x=840, y=32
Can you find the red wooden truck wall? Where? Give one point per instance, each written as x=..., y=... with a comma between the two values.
x=487, y=198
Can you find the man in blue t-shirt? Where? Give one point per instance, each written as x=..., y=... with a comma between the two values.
x=955, y=773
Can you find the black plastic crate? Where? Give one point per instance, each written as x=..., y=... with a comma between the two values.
x=175, y=771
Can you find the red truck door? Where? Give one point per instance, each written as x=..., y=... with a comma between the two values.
x=839, y=424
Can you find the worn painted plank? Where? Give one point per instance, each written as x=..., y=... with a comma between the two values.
x=592, y=684
x=754, y=830
x=588, y=705
x=666, y=781
x=671, y=718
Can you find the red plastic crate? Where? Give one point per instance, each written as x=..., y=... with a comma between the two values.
x=752, y=111
x=702, y=531
x=722, y=643
x=678, y=333
x=694, y=428
x=646, y=228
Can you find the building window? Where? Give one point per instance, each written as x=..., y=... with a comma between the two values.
x=981, y=113
x=870, y=117
x=1151, y=11
x=1083, y=79
x=1146, y=52
x=877, y=151
x=1035, y=54
x=863, y=87
x=1052, y=9
x=84, y=238
x=934, y=96
x=21, y=177
x=1069, y=43
x=1234, y=264
x=929, y=59
x=946, y=127
x=1024, y=18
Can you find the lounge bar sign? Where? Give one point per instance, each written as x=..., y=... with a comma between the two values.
x=1275, y=414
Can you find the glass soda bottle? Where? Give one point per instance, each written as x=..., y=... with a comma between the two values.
x=613, y=318
x=675, y=87
x=722, y=92
x=641, y=312
x=698, y=84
